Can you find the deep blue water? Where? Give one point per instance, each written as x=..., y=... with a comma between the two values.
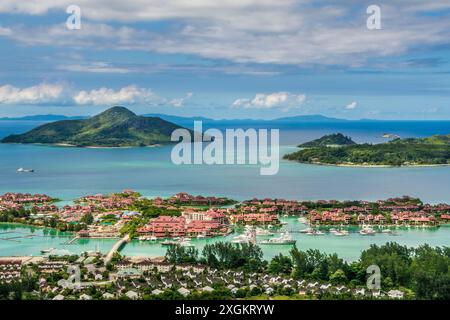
x=72, y=172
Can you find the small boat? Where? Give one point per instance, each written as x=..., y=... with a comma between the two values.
x=302, y=220
x=25, y=170
x=242, y=238
x=341, y=233
x=201, y=236
x=169, y=243
x=285, y=238
x=45, y=251
x=307, y=230
x=185, y=242
x=388, y=231
x=249, y=236
x=367, y=231
x=313, y=232
x=153, y=238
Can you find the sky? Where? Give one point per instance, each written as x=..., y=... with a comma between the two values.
x=226, y=59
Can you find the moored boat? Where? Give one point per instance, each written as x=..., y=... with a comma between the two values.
x=285, y=238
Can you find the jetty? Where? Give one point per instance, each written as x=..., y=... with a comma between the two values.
x=72, y=240
x=116, y=248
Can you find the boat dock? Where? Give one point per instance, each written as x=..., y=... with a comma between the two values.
x=17, y=238
x=72, y=240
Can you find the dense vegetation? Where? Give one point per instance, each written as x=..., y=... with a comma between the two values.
x=148, y=211
x=220, y=255
x=423, y=272
x=425, y=151
x=337, y=139
x=115, y=127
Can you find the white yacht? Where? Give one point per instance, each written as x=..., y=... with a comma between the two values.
x=302, y=220
x=185, y=242
x=284, y=238
x=313, y=232
x=341, y=233
x=367, y=231
x=25, y=170
x=307, y=230
x=249, y=236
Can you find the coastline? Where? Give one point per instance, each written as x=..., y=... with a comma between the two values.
x=68, y=145
x=372, y=165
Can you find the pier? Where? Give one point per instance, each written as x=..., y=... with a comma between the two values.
x=72, y=240
x=116, y=248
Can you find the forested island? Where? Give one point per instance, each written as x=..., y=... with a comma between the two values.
x=115, y=127
x=434, y=150
x=337, y=139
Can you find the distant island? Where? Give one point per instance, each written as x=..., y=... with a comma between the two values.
x=115, y=127
x=43, y=117
x=337, y=139
x=183, y=120
x=434, y=150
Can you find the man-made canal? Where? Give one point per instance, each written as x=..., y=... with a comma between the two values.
x=20, y=240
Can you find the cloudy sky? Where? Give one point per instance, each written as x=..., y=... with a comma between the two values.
x=227, y=59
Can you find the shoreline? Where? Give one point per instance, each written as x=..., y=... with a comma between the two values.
x=371, y=165
x=68, y=145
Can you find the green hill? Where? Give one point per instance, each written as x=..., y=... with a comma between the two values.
x=337, y=139
x=115, y=127
x=433, y=150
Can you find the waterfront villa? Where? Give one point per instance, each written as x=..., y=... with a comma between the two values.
x=191, y=223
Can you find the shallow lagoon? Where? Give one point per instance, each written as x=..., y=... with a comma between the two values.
x=348, y=247
x=68, y=173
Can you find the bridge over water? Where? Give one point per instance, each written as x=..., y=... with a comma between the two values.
x=116, y=248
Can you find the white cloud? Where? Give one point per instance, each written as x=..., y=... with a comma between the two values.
x=45, y=94
x=243, y=31
x=106, y=96
x=283, y=100
x=39, y=94
x=181, y=101
x=94, y=67
x=351, y=105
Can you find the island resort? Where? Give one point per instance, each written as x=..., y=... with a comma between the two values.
x=242, y=152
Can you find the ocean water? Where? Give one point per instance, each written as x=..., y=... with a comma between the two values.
x=68, y=173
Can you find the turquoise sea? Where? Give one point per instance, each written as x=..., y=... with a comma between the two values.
x=19, y=240
x=68, y=173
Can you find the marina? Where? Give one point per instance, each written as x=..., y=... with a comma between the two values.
x=347, y=247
